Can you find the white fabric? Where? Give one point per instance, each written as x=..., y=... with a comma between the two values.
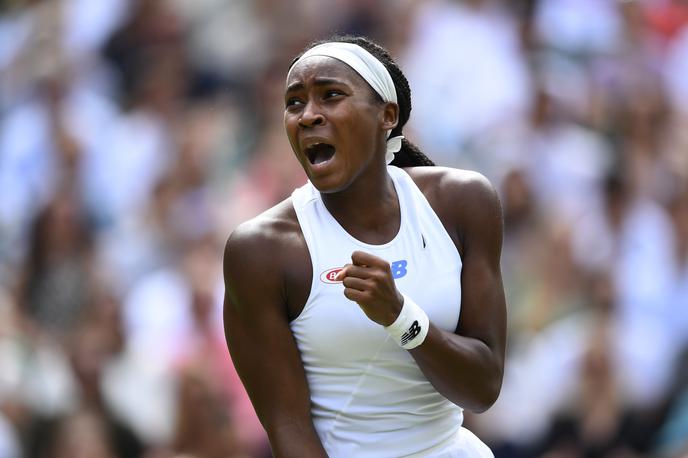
x=411, y=326
x=364, y=63
x=368, y=396
x=369, y=68
x=393, y=146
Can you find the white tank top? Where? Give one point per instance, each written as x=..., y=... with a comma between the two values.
x=369, y=398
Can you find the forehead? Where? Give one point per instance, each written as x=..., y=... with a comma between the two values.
x=308, y=70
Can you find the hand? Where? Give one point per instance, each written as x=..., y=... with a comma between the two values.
x=368, y=281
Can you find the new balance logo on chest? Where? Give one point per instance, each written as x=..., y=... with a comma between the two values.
x=399, y=270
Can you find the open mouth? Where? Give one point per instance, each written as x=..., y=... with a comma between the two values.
x=319, y=153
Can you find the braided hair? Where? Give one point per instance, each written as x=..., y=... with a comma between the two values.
x=409, y=155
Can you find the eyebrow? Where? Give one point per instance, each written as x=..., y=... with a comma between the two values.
x=320, y=81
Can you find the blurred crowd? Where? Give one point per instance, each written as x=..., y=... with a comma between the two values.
x=136, y=134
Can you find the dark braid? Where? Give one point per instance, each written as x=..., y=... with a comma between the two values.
x=409, y=155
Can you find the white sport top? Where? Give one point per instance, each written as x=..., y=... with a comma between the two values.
x=369, y=398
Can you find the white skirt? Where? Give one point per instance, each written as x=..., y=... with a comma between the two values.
x=464, y=444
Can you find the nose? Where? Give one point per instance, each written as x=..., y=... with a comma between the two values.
x=311, y=116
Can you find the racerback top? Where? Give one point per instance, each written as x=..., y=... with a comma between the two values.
x=369, y=398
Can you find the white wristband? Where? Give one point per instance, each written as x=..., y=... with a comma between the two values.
x=411, y=326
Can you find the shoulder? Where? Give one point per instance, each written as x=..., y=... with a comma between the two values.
x=464, y=200
x=450, y=184
x=266, y=261
x=262, y=241
x=272, y=227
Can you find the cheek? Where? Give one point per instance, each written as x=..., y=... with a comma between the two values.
x=365, y=121
x=288, y=122
x=290, y=127
x=362, y=129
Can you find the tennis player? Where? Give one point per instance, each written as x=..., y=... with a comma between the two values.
x=366, y=311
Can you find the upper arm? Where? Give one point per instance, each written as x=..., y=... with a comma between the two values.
x=480, y=228
x=467, y=366
x=259, y=337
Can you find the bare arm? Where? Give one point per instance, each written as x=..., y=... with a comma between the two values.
x=467, y=366
x=261, y=343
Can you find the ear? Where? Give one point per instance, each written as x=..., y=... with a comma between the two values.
x=390, y=116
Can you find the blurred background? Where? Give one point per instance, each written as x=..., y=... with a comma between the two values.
x=136, y=134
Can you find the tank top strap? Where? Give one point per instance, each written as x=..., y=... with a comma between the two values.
x=304, y=200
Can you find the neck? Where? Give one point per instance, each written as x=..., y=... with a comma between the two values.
x=368, y=209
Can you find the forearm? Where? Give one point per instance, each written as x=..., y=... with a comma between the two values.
x=465, y=370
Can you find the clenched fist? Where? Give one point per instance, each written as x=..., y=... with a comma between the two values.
x=368, y=281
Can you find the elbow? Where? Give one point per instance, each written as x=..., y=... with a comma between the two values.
x=487, y=392
x=485, y=395
x=486, y=399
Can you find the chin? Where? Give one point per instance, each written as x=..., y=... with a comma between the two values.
x=329, y=184
x=326, y=187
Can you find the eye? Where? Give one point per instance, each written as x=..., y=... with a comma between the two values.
x=332, y=93
x=292, y=101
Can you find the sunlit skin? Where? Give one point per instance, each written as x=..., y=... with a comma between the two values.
x=268, y=269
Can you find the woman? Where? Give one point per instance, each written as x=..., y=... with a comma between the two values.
x=367, y=310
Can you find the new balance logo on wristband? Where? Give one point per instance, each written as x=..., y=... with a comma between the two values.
x=411, y=326
x=412, y=332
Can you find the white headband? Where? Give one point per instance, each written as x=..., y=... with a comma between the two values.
x=370, y=69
